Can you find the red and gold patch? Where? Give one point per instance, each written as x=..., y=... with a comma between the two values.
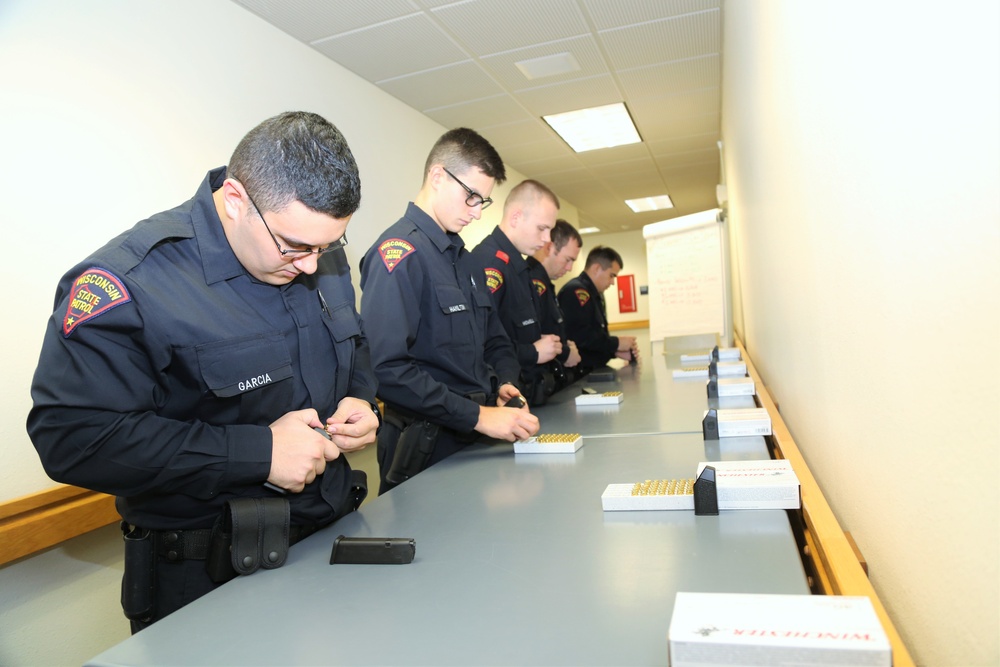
x=392, y=252
x=494, y=279
x=504, y=257
x=582, y=295
x=96, y=291
x=539, y=286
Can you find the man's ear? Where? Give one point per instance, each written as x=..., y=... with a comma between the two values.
x=233, y=199
x=436, y=176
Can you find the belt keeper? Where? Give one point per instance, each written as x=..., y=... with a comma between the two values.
x=260, y=528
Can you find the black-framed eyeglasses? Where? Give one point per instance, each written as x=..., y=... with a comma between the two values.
x=474, y=198
x=294, y=252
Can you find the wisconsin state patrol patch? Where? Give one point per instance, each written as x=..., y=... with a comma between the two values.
x=539, y=286
x=393, y=251
x=582, y=295
x=494, y=279
x=96, y=291
x=504, y=257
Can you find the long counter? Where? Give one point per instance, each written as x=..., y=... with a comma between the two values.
x=516, y=563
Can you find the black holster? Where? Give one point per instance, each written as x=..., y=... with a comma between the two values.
x=139, y=581
x=252, y=533
x=413, y=450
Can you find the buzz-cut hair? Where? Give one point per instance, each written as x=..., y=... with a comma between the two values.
x=527, y=191
x=460, y=149
x=604, y=256
x=563, y=233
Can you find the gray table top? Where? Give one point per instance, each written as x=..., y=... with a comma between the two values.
x=516, y=563
x=653, y=402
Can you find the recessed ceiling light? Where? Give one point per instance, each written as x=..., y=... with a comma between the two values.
x=649, y=203
x=539, y=68
x=597, y=127
x=589, y=230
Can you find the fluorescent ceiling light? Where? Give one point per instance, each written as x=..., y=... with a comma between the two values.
x=589, y=230
x=649, y=203
x=539, y=68
x=597, y=127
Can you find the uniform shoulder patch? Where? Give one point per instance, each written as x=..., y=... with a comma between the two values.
x=582, y=295
x=494, y=279
x=539, y=286
x=392, y=252
x=95, y=292
x=504, y=257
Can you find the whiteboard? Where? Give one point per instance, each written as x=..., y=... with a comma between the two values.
x=688, y=277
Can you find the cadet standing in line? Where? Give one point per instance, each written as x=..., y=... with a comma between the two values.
x=551, y=262
x=443, y=362
x=582, y=303
x=529, y=213
x=193, y=358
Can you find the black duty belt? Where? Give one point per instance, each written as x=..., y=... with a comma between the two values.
x=178, y=545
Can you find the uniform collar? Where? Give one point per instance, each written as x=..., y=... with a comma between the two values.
x=588, y=283
x=536, y=267
x=441, y=239
x=217, y=257
x=516, y=262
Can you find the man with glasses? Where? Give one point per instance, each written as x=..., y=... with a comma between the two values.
x=445, y=367
x=529, y=213
x=209, y=362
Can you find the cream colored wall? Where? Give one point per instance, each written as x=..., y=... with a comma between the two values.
x=113, y=110
x=863, y=166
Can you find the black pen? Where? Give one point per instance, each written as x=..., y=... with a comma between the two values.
x=322, y=303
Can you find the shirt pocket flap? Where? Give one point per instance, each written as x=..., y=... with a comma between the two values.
x=236, y=366
x=343, y=324
x=451, y=299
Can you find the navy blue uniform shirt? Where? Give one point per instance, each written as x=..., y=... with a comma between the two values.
x=587, y=321
x=507, y=279
x=165, y=361
x=434, y=335
x=550, y=316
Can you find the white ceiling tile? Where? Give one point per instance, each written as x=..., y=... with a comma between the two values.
x=308, y=20
x=583, y=49
x=486, y=26
x=617, y=13
x=689, y=142
x=617, y=155
x=516, y=154
x=529, y=131
x=672, y=77
x=551, y=164
x=442, y=86
x=392, y=49
x=571, y=95
x=484, y=112
x=663, y=41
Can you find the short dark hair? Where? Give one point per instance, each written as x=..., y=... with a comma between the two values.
x=562, y=233
x=298, y=156
x=461, y=148
x=604, y=256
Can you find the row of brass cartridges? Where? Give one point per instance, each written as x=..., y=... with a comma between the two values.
x=663, y=487
x=550, y=438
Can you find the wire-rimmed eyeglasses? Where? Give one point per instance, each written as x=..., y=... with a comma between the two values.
x=294, y=252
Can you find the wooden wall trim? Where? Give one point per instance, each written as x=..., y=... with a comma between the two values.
x=828, y=550
x=41, y=520
x=635, y=324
